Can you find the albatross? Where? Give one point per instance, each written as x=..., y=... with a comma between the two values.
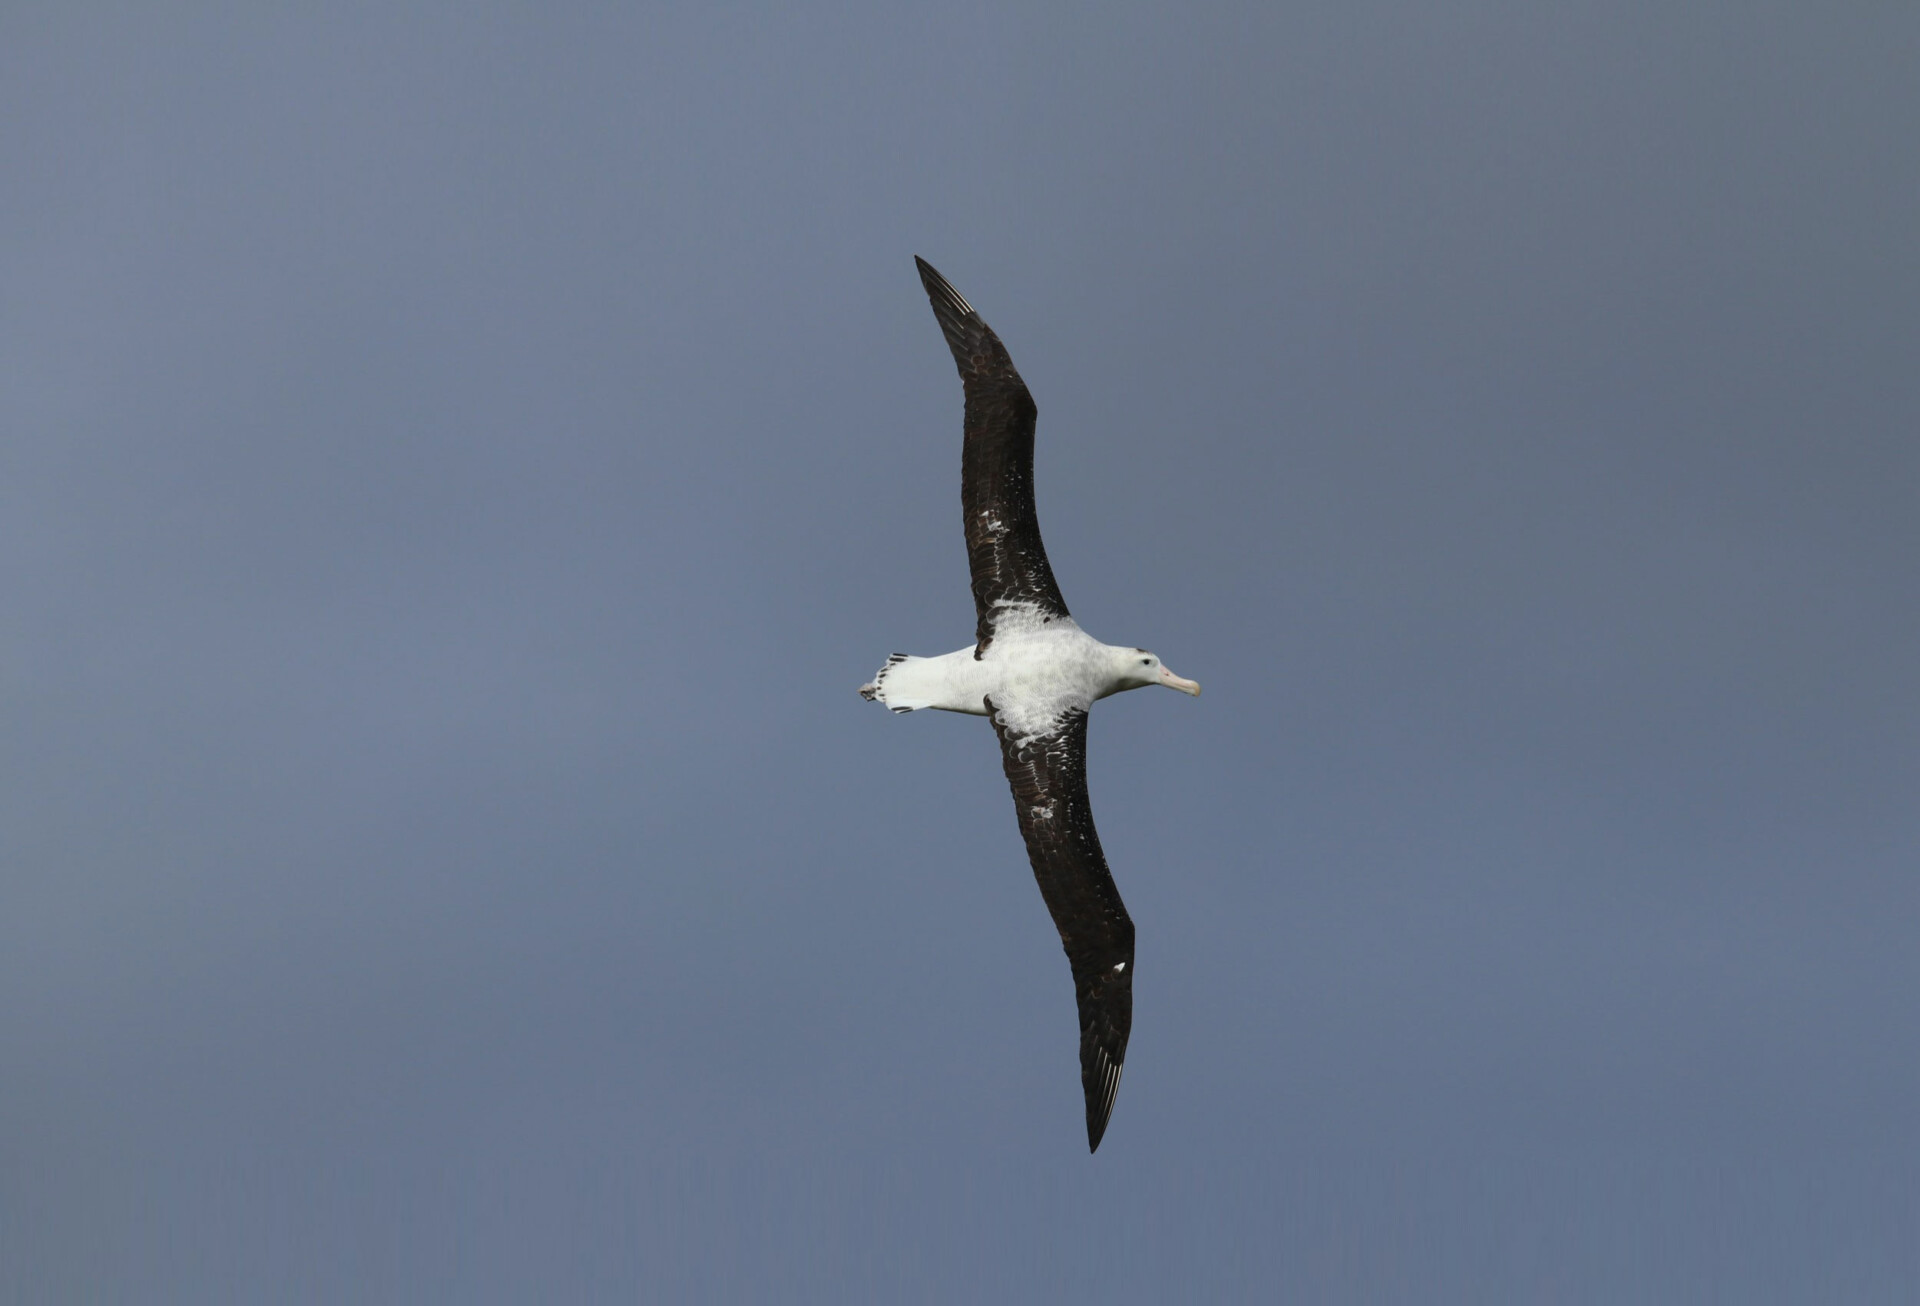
x=1034, y=674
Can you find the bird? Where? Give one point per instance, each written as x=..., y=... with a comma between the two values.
x=1035, y=675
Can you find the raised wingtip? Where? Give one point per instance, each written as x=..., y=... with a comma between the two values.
x=946, y=300
x=1101, y=1090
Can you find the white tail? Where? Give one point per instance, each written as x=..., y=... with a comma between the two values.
x=887, y=688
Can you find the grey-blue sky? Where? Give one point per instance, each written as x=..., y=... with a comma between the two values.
x=459, y=463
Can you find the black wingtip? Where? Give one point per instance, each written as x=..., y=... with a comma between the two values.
x=949, y=305
x=1100, y=1076
x=1096, y=1127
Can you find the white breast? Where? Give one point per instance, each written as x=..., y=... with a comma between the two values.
x=1035, y=669
x=1040, y=669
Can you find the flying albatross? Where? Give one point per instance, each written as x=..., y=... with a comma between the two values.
x=1034, y=674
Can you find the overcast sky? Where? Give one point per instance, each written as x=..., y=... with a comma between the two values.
x=458, y=462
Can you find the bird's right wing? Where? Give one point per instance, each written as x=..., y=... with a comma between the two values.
x=1048, y=773
x=1004, y=553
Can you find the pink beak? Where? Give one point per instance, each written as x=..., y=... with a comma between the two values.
x=1172, y=681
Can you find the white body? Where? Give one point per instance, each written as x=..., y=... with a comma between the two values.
x=1035, y=669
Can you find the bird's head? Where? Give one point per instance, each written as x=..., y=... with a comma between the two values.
x=1135, y=668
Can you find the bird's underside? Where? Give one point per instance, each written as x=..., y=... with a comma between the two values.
x=1035, y=675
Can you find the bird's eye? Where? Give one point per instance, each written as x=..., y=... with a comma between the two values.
x=1146, y=662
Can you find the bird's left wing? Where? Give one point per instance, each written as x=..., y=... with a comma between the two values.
x=1048, y=773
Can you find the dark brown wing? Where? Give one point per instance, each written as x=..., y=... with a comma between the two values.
x=1049, y=778
x=1004, y=552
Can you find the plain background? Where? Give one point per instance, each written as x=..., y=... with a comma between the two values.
x=459, y=460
